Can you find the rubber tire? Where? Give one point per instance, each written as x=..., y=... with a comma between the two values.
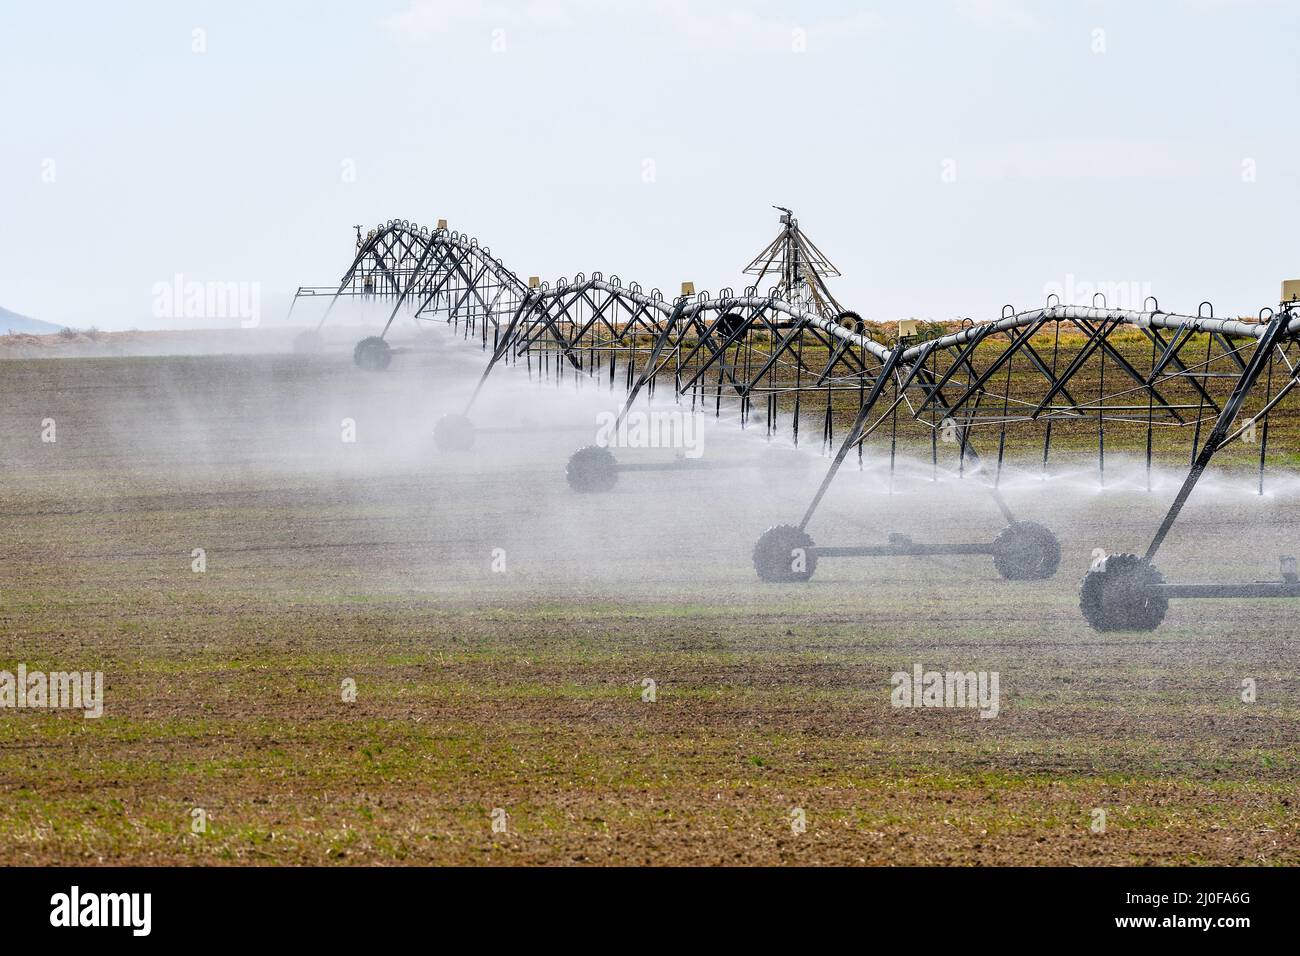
x=372, y=354
x=453, y=433
x=773, y=555
x=592, y=470
x=730, y=324
x=851, y=321
x=1026, y=551
x=1114, y=597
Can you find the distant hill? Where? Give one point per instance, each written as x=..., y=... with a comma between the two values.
x=13, y=322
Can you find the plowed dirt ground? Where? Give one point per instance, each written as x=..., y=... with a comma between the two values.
x=500, y=630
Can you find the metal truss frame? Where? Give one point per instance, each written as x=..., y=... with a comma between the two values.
x=815, y=358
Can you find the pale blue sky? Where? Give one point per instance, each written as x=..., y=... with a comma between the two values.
x=1119, y=166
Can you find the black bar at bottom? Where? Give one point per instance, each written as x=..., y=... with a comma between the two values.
x=369, y=905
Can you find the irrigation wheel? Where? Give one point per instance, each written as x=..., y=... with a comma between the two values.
x=1118, y=596
x=730, y=324
x=592, y=470
x=1026, y=551
x=372, y=354
x=783, y=554
x=851, y=321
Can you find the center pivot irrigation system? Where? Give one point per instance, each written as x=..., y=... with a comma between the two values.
x=1071, y=372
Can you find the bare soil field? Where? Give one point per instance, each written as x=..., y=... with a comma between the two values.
x=500, y=631
x=93, y=343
